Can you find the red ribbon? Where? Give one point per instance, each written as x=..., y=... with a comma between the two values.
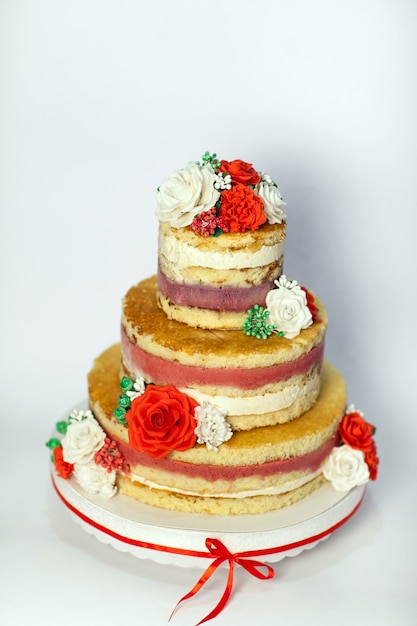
x=221, y=554
x=217, y=550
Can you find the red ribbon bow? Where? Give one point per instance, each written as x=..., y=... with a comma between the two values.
x=218, y=551
x=221, y=554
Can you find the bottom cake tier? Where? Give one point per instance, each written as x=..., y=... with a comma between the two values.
x=254, y=472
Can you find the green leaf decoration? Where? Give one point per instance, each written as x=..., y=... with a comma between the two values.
x=256, y=325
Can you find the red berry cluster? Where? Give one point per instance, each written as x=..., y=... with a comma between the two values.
x=207, y=223
x=110, y=457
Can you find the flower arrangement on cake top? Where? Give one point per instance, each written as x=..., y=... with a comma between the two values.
x=215, y=197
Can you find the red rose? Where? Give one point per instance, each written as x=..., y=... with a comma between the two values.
x=161, y=420
x=356, y=432
x=372, y=460
x=241, y=209
x=311, y=304
x=240, y=172
x=63, y=468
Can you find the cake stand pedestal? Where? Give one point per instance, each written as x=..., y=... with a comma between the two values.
x=208, y=541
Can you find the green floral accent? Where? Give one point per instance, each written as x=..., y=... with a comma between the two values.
x=62, y=427
x=210, y=159
x=126, y=384
x=131, y=389
x=124, y=402
x=53, y=443
x=256, y=324
x=119, y=413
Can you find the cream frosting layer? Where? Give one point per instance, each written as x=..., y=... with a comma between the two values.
x=259, y=404
x=290, y=484
x=182, y=255
x=159, y=370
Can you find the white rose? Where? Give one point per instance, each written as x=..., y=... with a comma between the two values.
x=346, y=468
x=185, y=194
x=272, y=200
x=212, y=427
x=82, y=440
x=287, y=306
x=95, y=479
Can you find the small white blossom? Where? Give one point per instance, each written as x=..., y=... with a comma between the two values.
x=265, y=178
x=138, y=388
x=286, y=283
x=351, y=409
x=78, y=416
x=223, y=181
x=95, y=479
x=212, y=427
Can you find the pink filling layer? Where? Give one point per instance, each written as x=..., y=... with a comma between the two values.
x=307, y=462
x=235, y=299
x=159, y=371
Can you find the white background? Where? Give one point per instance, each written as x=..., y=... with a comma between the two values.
x=99, y=101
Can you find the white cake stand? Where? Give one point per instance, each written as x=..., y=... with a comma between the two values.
x=177, y=538
x=209, y=541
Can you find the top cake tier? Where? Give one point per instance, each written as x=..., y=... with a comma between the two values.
x=221, y=242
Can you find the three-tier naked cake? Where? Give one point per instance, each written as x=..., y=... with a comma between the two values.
x=217, y=399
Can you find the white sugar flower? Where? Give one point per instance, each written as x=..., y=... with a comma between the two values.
x=287, y=283
x=265, y=178
x=138, y=388
x=223, y=181
x=186, y=193
x=346, y=468
x=212, y=427
x=95, y=479
x=287, y=306
x=351, y=409
x=82, y=440
x=272, y=200
x=78, y=416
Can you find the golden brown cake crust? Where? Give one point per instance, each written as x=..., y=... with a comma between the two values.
x=260, y=445
x=256, y=447
x=147, y=326
x=250, y=240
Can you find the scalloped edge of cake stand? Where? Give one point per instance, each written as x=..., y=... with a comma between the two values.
x=175, y=538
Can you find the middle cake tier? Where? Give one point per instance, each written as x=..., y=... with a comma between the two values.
x=255, y=382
